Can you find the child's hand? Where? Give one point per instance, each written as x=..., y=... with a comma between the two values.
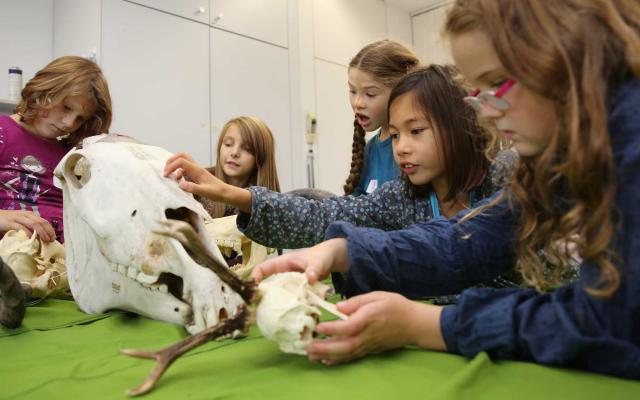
x=200, y=181
x=28, y=222
x=378, y=321
x=317, y=261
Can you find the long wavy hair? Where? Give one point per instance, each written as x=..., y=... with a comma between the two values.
x=65, y=77
x=572, y=52
x=386, y=61
x=462, y=141
x=258, y=140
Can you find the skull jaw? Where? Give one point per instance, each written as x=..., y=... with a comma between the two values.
x=108, y=289
x=97, y=287
x=125, y=294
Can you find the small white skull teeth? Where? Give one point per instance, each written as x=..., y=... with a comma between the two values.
x=145, y=280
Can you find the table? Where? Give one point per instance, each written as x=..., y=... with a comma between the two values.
x=62, y=353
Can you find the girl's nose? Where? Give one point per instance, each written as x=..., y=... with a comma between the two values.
x=67, y=121
x=403, y=146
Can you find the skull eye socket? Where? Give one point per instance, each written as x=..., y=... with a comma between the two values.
x=78, y=170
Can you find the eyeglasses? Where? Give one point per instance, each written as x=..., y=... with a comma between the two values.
x=478, y=99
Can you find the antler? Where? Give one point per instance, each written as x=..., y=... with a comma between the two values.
x=185, y=234
x=167, y=356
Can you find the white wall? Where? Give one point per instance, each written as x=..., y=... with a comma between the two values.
x=26, y=29
x=399, y=25
x=84, y=16
x=429, y=44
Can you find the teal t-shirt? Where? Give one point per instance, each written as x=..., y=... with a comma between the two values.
x=379, y=166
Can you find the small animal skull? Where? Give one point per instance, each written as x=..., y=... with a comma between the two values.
x=118, y=207
x=39, y=264
x=288, y=312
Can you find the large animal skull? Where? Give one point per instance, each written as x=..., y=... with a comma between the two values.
x=117, y=204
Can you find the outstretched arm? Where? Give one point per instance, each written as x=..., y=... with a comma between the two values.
x=437, y=257
x=284, y=221
x=316, y=262
x=201, y=182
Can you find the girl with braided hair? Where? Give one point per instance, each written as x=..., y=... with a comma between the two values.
x=373, y=72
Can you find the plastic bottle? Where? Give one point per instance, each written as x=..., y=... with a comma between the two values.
x=15, y=83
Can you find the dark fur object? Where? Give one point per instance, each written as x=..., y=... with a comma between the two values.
x=12, y=298
x=311, y=194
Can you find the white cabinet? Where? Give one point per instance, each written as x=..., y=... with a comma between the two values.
x=157, y=66
x=197, y=10
x=264, y=20
x=249, y=77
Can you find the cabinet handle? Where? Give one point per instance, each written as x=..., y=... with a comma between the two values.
x=218, y=18
x=201, y=10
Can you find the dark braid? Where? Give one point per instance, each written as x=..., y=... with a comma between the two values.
x=357, y=158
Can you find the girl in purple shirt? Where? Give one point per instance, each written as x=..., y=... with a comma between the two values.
x=65, y=102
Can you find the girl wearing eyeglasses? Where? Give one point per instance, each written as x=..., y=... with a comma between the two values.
x=560, y=79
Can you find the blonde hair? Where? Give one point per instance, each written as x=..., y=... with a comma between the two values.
x=572, y=52
x=258, y=140
x=64, y=77
x=386, y=61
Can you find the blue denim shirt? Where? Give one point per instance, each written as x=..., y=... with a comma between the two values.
x=567, y=327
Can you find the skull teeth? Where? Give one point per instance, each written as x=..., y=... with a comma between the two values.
x=146, y=280
x=132, y=273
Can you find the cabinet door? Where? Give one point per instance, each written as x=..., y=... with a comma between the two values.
x=197, y=10
x=260, y=19
x=158, y=71
x=249, y=77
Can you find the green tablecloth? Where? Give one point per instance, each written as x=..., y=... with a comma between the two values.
x=62, y=353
